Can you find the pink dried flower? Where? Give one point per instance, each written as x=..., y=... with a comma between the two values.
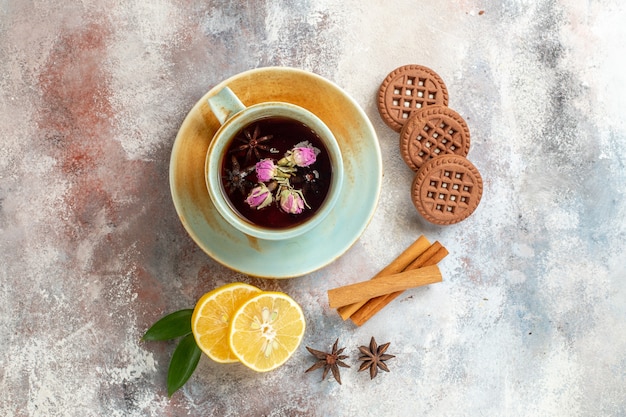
x=291, y=201
x=303, y=157
x=265, y=170
x=259, y=197
x=304, y=154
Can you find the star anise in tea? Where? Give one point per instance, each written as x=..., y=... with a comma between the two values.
x=374, y=358
x=235, y=178
x=252, y=143
x=329, y=361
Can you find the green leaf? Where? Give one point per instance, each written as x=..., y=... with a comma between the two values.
x=176, y=324
x=183, y=363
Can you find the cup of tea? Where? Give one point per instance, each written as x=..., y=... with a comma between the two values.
x=273, y=170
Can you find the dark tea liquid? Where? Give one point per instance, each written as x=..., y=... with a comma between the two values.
x=271, y=138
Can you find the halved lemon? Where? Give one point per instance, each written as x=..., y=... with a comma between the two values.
x=211, y=318
x=266, y=331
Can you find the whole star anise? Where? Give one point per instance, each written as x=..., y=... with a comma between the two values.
x=332, y=361
x=235, y=178
x=374, y=357
x=252, y=143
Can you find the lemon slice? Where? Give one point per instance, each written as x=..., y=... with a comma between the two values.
x=210, y=321
x=266, y=331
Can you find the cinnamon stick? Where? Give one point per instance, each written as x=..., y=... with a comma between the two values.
x=399, y=264
x=374, y=305
x=424, y=258
x=365, y=290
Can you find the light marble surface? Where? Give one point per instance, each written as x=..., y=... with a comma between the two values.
x=529, y=320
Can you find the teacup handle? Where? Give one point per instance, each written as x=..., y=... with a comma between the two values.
x=225, y=104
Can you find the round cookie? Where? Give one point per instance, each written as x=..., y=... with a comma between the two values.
x=407, y=89
x=447, y=189
x=433, y=131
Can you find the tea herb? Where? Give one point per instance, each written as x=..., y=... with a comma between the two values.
x=279, y=174
x=235, y=177
x=309, y=181
x=252, y=143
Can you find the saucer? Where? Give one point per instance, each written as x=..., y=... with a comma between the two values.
x=336, y=233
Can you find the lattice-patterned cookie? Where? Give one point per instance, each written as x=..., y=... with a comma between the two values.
x=447, y=189
x=433, y=131
x=407, y=89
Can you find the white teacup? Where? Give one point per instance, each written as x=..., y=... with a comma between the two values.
x=284, y=196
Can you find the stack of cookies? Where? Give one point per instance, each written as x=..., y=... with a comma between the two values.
x=434, y=143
